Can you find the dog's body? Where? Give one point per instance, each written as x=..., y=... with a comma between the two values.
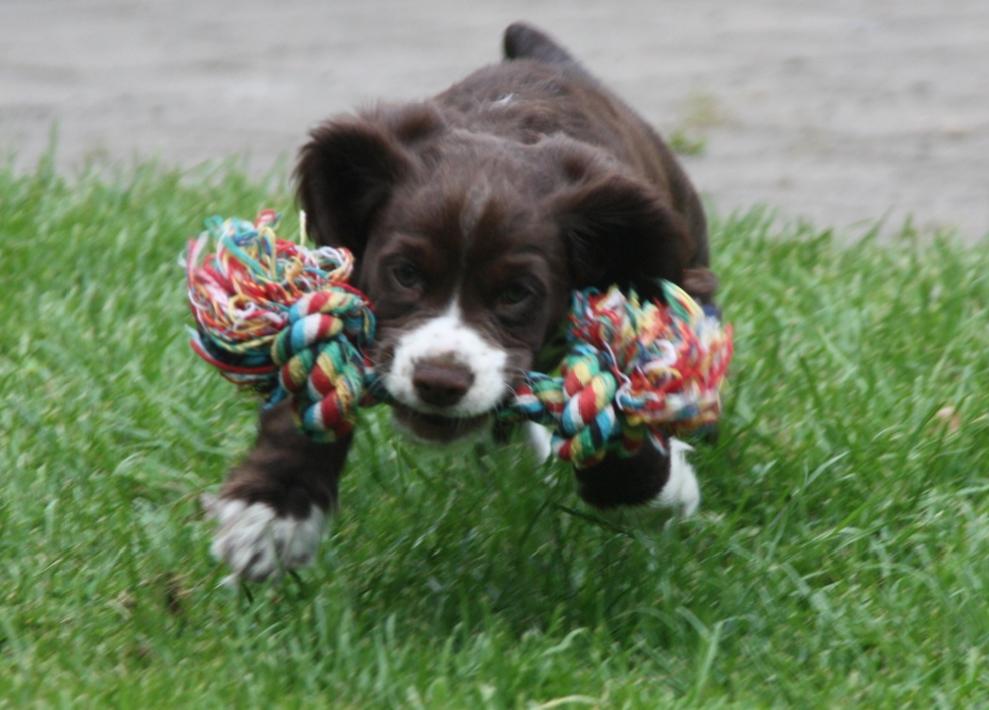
x=473, y=216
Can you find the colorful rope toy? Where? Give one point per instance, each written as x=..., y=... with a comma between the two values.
x=281, y=317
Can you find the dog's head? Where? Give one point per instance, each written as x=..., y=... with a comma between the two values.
x=469, y=246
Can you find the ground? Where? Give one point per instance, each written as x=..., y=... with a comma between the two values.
x=844, y=112
x=840, y=555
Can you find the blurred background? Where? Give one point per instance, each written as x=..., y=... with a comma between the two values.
x=842, y=112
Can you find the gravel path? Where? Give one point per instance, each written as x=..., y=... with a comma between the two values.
x=842, y=114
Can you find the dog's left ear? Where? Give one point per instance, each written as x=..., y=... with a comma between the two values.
x=619, y=232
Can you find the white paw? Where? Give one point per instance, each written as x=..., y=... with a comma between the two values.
x=538, y=438
x=681, y=491
x=256, y=542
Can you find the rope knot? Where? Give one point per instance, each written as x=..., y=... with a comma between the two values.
x=635, y=371
x=282, y=318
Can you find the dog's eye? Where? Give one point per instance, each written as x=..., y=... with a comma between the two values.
x=407, y=275
x=514, y=294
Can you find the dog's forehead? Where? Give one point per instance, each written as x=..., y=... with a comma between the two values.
x=478, y=215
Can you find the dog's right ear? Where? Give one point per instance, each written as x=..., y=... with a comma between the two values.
x=350, y=167
x=345, y=174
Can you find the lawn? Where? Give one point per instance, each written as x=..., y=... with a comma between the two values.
x=841, y=556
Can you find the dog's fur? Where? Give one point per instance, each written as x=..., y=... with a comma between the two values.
x=473, y=216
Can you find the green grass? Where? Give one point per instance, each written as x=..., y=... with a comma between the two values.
x=841, y=558
x=683, y=143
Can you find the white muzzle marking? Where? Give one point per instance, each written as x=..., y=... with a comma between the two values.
x=448, y=335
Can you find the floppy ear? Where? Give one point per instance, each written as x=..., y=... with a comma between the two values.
x=350, y=166
x=618, y=232
x=701, y=283
x=345, y=174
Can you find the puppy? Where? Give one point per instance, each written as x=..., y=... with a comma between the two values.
x=473, y=215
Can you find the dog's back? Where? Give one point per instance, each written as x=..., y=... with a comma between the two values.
x=541, y=90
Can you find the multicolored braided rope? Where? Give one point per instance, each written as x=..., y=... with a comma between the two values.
x=634, y=371
x=282, y=318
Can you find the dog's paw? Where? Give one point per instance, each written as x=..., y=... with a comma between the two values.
x=256, y=542
x=539, y=439
x=681, y=491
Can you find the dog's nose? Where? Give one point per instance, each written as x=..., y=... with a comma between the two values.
x=441, y=384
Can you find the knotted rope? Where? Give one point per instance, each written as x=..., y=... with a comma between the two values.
x=634, y=370
x=278, y=316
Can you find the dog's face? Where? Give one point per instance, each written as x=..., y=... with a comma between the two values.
x=467, y=280
x=469, y=246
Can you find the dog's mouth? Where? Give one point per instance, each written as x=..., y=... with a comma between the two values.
x=434, y=427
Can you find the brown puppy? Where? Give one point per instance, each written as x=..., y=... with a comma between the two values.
x=473, y=216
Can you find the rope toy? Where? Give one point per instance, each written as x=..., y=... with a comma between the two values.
x=282, y=318
x=277, y=316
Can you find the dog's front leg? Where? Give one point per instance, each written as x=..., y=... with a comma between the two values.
x=647, y=478
x=272, y=508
